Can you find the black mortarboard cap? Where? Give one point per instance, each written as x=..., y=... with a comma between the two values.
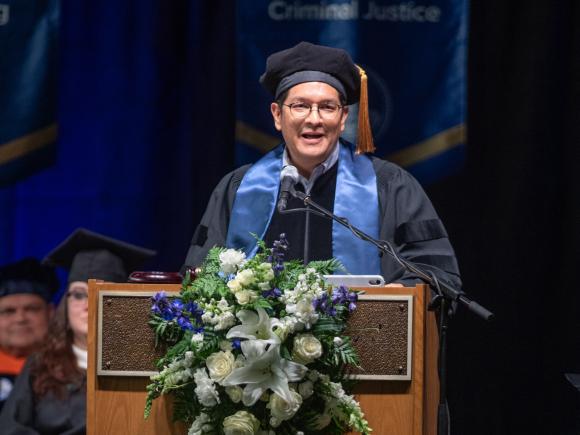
x=307, y=62
x=87, y=255
x=311, y=57
x=28, y=276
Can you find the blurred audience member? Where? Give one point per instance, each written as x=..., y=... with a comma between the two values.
x=26, y=289
x=49, y=396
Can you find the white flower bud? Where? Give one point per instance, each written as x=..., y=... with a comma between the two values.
x=306, y=389
x=234, y=393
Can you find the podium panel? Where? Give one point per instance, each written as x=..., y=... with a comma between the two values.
x=394, y=335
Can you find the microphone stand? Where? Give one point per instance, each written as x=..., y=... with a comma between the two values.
x=306, y=235
x=445, y=296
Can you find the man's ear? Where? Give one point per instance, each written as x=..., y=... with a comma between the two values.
x=344, y=118
x=276, y=114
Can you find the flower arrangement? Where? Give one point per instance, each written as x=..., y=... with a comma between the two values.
x=257, y=346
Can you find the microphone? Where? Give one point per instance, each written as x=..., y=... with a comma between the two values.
x=288, y=178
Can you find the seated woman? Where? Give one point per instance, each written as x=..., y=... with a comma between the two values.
x=49, y=396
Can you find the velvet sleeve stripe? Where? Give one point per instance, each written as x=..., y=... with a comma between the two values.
x=419, y=231
x=446, y=263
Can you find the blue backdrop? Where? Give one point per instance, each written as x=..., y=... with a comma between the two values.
x=415, y=55
x=144, y=90
x=146, y=111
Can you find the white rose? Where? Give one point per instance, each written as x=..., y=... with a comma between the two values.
x=306, y=389
x=306, y=348
x=241, y=423
x=281, y=409
x=245, y=277
x=220, y=365
x=234, y=285
x=230, y=260
x=234, y=393
x=245, y=297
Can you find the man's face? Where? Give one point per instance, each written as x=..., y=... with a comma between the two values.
x=309, y=140
x=23, y=323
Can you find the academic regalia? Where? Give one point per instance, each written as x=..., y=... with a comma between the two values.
x=24, y=414
x=376, y=196
x=86, y=255
x=10, y=367
x=407, y=219
x=26, y=276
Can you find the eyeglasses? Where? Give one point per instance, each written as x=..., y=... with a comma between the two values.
x=327, y=111
x=77, y=297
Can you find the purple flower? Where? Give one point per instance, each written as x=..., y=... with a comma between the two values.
x=162, y=307
x=195, y=311
x=279, y=249
x=341, y=296
x=184, y=323
x=186, y=315
x=274, y=293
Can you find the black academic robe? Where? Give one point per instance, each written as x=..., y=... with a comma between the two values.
x=6, y=385
x=407, y=220
x=25, y=414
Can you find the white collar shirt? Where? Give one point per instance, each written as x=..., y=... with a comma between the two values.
x=308, y=183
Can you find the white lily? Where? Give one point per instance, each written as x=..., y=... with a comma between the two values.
x=255, y=327
x=264, y=369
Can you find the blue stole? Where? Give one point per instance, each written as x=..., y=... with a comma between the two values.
x=355, y=198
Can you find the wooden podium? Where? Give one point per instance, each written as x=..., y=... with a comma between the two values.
x=121, y=354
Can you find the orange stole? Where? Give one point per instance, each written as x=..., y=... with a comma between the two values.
x=10, y=365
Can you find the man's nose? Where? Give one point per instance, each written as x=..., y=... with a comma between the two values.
x=20, y=316
x=314, y=115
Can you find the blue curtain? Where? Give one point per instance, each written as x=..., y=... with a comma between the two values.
x=145, y=116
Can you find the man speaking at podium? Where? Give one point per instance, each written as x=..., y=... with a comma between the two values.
x=313, y=87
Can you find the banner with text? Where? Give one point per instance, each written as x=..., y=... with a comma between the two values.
x=415, y=57
x=28, y=86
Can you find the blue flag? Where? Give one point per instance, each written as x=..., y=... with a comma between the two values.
x=414, y=54
x=28, y=86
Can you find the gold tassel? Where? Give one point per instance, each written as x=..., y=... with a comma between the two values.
x=365, y=143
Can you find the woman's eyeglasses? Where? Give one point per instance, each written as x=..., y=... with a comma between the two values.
x=77, y=296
